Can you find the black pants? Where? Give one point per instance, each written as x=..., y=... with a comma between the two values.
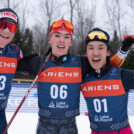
x=3, y=122
x=51, y=126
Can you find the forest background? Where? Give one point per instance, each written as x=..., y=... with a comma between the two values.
x=36, y=16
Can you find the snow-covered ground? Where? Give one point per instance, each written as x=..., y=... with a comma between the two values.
x=26, y=120
x=25, y=123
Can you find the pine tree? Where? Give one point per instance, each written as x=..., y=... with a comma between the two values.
x=24, y=41
x=81, y=49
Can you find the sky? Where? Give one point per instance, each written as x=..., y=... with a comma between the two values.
x=101, y=19
x=33, y=14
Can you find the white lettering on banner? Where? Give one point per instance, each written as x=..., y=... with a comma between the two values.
x=62, y=74
x=31, y=102
x=4, y=64
x=101, y=87
x=16, y=101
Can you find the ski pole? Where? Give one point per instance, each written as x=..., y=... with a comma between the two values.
x=27, y=93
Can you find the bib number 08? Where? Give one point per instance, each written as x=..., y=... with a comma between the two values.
x=2, y=82
x=56, y=91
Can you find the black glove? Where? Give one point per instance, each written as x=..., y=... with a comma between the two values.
x=127, y=43
x=30, y=56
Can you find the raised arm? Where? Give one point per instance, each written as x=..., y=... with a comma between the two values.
x=119, y=58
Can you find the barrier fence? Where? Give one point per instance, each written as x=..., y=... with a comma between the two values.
x=31, y=103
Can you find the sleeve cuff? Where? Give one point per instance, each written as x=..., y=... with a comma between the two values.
x=121, y=54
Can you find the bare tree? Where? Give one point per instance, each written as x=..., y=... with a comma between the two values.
x=5, y=3
x=24, y=15
x=8, y=3
x=72, y=4
x=115, y=15
x=84, y=21
x=49, y=11
x=131, y=3
x=38, y=40
x=86, y=18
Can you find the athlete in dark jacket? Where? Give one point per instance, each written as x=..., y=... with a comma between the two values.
x=106, y=87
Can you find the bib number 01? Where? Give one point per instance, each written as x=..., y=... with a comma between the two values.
x=2, y=82
x=56, y=91
x=98, y=104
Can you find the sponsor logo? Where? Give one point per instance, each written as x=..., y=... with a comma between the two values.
x=8, y=15
x=101, y=87
x=59, y=105
x=61, y=74
x=104, y=118
x=51, y=105
x=9, y=65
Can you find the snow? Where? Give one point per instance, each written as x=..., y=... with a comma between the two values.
x=26, y=120
x=26, y=123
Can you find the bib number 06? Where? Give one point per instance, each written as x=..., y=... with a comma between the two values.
x=2, y=82
x=56, y=91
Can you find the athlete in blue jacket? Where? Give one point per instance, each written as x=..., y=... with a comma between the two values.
x=59, y=82
x=106, y=87
x=9, y=56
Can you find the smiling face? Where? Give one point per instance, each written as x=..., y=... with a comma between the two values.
x=5, y=37
x=60, y=42
x=97, y=53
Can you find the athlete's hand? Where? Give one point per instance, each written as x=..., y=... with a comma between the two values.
x=30, y=56
x=127, y=43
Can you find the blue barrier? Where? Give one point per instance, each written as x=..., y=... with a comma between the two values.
x=31, y=103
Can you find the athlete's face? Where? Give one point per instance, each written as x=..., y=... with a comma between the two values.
x=60, y=42
x=97, y=53
x=5, y=37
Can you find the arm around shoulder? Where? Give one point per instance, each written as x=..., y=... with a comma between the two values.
x=30, y=64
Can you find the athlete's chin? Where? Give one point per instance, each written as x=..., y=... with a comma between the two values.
x=3, y=43
x=96, y=67
x=62, y=53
